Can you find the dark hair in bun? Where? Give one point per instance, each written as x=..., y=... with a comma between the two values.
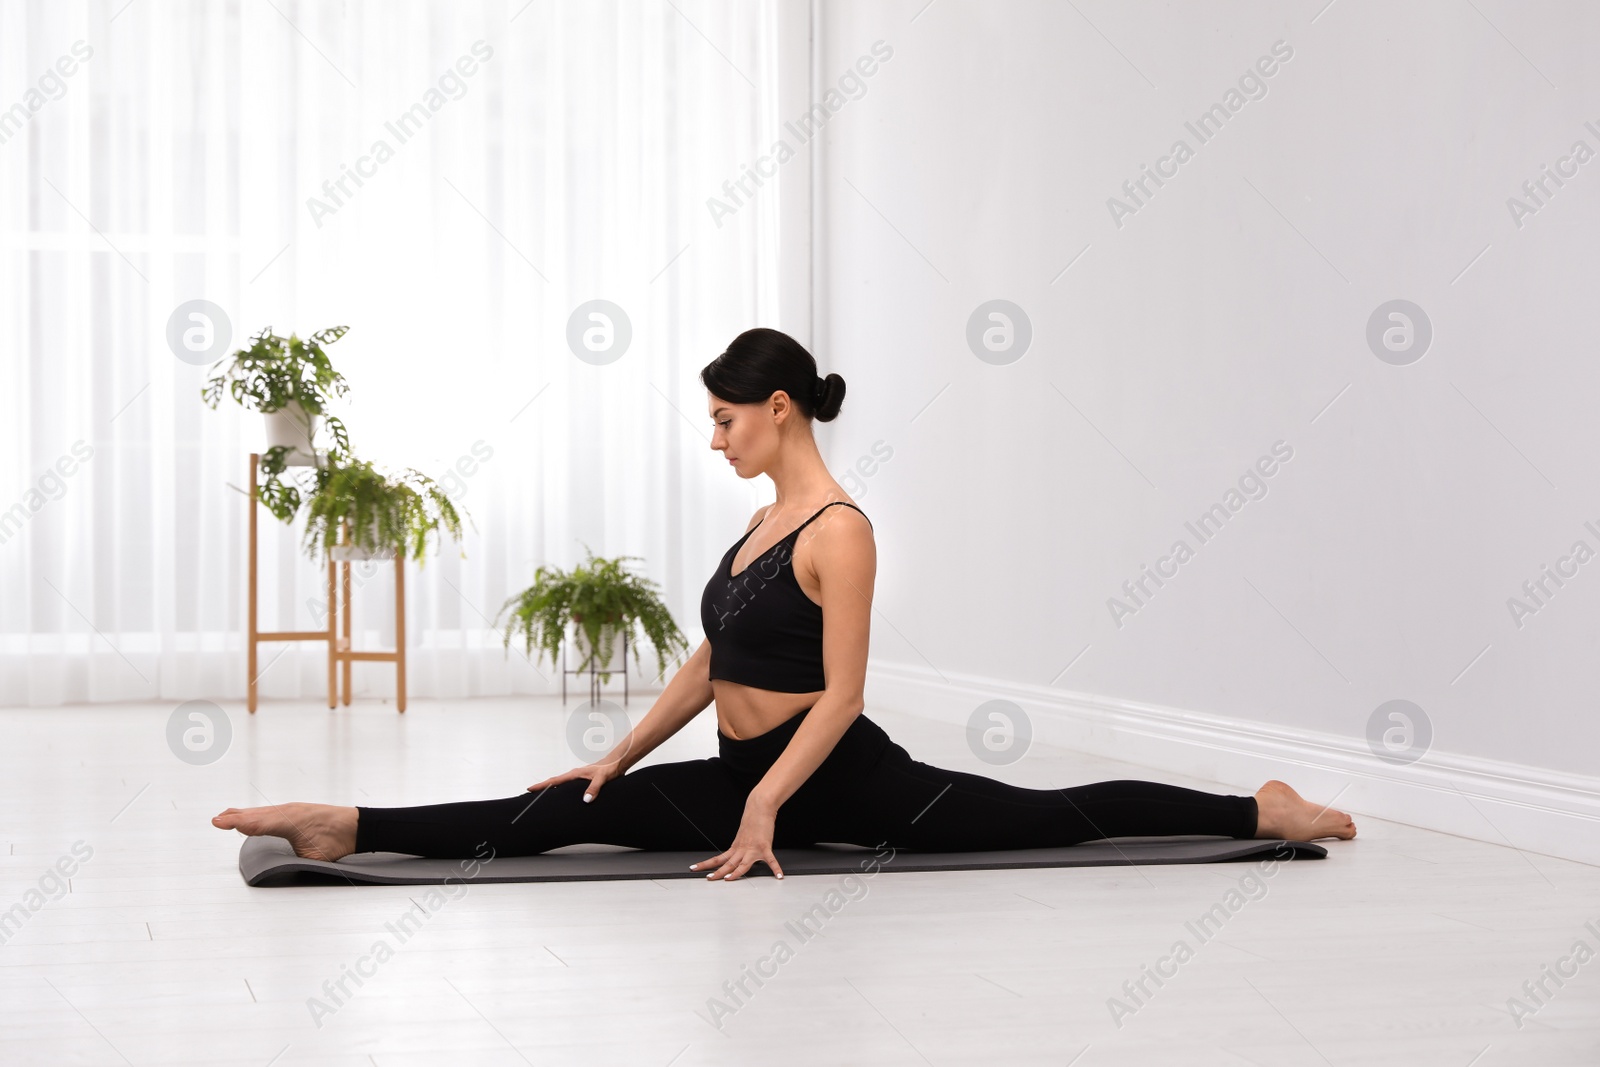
x=760, y=362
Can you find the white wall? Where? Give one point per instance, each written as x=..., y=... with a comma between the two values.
x=1224, y=316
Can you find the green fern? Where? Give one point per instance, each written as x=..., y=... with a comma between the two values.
x=378, y=512
x=604, y=599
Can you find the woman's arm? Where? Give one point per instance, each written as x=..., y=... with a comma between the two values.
x=686, y=696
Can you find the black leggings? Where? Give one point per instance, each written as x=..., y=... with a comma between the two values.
x=868, y=791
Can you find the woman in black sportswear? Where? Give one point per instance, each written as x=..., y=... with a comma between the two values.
x=798, y=763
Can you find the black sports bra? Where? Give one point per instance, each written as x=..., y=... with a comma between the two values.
x=764, y=631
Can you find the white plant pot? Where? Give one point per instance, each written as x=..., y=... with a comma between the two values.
x=295, y=428
x=357, y=554
x=580, y=649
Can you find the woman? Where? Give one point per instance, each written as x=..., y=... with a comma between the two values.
x=798, y=762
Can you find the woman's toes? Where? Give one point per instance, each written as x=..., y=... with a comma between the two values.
x=1336, y=824
x=250, y=821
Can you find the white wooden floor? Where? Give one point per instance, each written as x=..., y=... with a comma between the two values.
x=1403, y=947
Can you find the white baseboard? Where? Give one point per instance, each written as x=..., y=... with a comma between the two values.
x=1528, y=808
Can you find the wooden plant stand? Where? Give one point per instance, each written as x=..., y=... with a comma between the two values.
x=337, y=634
x=339, y=650
x=255, y=637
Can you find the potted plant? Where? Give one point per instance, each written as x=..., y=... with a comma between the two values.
x=290, y=382
x=605, y=601
x=356, y=511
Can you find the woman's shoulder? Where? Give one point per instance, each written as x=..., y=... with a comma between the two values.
x=846, y=507
x=841, y=538
x=845, y=525
x=824, y=510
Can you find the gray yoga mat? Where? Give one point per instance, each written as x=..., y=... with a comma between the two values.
x=269, y=861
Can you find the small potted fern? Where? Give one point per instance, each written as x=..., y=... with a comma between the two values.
x=605, y=601
x=290, y=382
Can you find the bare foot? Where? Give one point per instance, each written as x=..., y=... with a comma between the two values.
x=1285, y=814
x=317, y=831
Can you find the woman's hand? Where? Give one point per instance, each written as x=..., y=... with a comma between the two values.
x=597, y=773
x=754, y=843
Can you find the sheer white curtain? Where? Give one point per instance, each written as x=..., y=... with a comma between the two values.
x=451, y=180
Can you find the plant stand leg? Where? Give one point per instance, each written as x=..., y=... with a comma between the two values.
x=250, y=656
x=344, y=628
x=255, y=636
x=400, y=631
x=333, y=639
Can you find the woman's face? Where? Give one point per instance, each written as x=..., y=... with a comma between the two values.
x=746, y=434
